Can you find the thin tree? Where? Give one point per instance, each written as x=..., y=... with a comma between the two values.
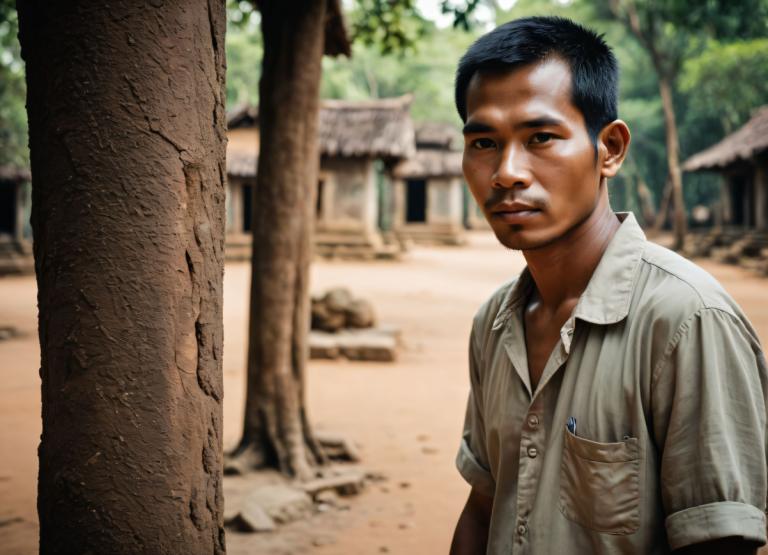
x=276, y=430
x=296, y=34
x=667, y=62
x=670, y=32
x=126, y=116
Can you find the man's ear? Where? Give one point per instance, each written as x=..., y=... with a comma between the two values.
x=613, y=144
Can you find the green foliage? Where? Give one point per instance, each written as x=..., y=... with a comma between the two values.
x=462, y=12
x=727, y=82
x=427, y=72
x=13, y=114
x=244, y=53
x=720, y=48
x=394, y=26
x=675, y=39
x=721, y=19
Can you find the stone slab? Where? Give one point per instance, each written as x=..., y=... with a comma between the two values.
x=374, y=344
x=282, y=503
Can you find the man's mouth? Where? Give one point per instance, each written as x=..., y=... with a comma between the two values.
x=514, y=212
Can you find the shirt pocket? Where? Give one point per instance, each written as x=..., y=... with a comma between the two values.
x=599, y=484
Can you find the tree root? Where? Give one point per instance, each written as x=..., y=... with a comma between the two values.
x=246, y=457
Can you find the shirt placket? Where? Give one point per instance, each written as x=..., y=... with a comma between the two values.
x=533, y=437
x=532, y=441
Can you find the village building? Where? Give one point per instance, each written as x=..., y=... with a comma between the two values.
x=15, y=229
x=429, y=198
x=741, y=234
x=359, y=143
x=474, y=217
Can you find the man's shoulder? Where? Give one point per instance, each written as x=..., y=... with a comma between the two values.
x=672, y=286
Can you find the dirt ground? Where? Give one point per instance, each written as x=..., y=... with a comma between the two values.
x=405, y=416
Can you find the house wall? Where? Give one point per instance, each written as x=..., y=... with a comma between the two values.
x=243, y=140
x=24, y=211
x=475, y=217
x=350, y=200
x=234, y=205
x=444, y=204
x=444, y=212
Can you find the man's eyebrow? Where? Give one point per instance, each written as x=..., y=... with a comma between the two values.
x=543, y=121
x=477, y=127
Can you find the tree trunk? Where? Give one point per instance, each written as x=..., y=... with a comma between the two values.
x=126, y=116
x=663, y=214
x=647, y=208
x=276, y=429
x=673, y=159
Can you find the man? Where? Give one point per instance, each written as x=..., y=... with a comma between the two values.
x=618, y=393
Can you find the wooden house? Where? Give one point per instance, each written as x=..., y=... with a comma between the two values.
x=15, y=229
x=741, y=158
x=359, y=144
x=429, y=196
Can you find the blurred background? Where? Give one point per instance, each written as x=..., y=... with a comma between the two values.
x=397, y=229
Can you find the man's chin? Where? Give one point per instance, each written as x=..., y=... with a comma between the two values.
x=518, y=239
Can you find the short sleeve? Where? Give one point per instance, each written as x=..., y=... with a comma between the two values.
x=709, y=423
x=472, y=458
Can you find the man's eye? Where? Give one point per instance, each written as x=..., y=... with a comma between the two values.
x=482, y=144
x=540, y=138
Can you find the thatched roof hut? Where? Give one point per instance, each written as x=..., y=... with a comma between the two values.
x=373, y=128
x=432, y=134
x=436, y=153
x=740, y=146
x=380, y=128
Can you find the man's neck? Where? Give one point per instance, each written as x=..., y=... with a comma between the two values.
x=562, y=270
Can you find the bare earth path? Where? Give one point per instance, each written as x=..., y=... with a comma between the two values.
x=405, y=416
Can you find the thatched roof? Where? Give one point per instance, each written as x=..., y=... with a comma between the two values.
x=243, y=115
x=380, y=128
x=241, y=164
x=436, y=154
x=437, y=135
x=743, y=144
x=430, y=163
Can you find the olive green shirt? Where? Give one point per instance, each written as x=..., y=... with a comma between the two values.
x=647, y=431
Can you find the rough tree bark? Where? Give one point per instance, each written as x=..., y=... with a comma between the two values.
x=127, y=138
x=276, y=428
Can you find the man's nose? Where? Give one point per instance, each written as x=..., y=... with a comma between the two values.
x=513, y=169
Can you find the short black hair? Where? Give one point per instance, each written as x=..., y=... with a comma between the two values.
x=594, y=70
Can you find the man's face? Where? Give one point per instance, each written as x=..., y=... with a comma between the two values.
x=528, y=158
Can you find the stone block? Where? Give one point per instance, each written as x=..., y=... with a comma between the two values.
x=282, y=503
x=252, y=518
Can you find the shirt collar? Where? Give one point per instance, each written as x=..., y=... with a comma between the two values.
x=609, y=291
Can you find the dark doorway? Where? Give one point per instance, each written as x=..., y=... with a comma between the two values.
x=247, y=207
x=416, y=201
x=319, y=202
x=738, y=190
x=7, y=209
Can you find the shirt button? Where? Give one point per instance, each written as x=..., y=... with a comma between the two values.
x=533, y=421
x=521, y=529
x=532, y=452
